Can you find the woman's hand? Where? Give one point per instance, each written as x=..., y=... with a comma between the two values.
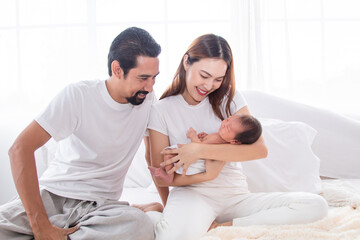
x=186, y=154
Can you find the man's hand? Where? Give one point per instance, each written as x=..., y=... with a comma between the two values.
x=54, y=233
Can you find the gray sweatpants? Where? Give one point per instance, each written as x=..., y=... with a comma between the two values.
x=111, y=220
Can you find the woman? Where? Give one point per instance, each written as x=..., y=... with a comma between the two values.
x=201, y=95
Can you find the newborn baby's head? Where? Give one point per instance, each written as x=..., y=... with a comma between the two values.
x=240, y=129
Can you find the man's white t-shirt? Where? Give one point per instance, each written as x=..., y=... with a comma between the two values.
x=173, y=116
x=97, y=140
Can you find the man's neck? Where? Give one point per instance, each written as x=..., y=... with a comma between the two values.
x=114, y=92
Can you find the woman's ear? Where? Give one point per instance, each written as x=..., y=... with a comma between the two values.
x=186, y=62
x=116, y=69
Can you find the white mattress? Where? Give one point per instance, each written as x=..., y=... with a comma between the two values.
x=355, y=183
x=149, y=194
x=140, y=195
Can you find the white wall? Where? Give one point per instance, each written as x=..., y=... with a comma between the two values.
x=11, y=125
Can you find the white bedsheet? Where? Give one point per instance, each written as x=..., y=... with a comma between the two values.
x=149, y=194
x=139, y=195
x=341, y=223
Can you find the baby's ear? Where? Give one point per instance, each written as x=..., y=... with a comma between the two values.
x=235, y=142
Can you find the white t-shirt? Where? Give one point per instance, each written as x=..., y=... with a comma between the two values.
x=173, y=116
x=97, y=140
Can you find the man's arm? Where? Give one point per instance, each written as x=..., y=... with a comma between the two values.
x=25, y=177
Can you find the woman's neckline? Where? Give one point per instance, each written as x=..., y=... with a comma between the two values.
x=184, y=102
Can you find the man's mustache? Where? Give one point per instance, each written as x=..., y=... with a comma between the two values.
x=141, y=92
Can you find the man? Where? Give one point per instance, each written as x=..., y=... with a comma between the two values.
x=99, y=126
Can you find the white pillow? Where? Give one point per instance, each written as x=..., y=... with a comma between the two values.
x=338, y=141
x=290, y=165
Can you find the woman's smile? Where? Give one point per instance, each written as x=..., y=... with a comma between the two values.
x=201, y=92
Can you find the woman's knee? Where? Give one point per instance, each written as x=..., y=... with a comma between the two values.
x=321, y=207
x=315, y=207
x=163, y=231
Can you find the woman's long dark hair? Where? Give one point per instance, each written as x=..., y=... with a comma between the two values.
x=208, y=46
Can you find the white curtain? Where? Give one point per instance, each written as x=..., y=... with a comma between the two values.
x=304, y=50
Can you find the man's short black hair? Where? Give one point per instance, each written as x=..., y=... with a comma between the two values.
x=130, y=44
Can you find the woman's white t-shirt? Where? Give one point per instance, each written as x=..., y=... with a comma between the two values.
x=173, y=116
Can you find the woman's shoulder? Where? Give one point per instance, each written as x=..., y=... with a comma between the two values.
x=166, y=102
x=236, y=104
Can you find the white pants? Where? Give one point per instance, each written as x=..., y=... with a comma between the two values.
x=190, y=211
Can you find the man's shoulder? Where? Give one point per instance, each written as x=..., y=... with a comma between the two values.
x=87, y=84
x=83, y=88
x=83, y=85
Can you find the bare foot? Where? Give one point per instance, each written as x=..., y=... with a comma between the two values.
x=216, y=224
x=154, y=206
x=161, y=173
x=213, y=225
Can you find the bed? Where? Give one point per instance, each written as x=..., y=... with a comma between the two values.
x=321, y=154
x=343, y=221
x=310, y=149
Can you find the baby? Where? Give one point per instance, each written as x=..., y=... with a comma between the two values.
x=237, y=129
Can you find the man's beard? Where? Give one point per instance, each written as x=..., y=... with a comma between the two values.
x=134, y=100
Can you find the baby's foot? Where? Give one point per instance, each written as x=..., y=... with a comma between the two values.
x=161, y=173
x=152, y=170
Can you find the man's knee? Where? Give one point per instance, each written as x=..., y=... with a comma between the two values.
x=142, y=227
x=14, y=223
x=115, y=222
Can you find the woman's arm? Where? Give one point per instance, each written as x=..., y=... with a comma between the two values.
x=154, y=144
x=189, y=153
x=213, y=169
x=158, y=142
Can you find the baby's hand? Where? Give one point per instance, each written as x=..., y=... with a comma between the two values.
x=191, y=133
x=202, y=135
